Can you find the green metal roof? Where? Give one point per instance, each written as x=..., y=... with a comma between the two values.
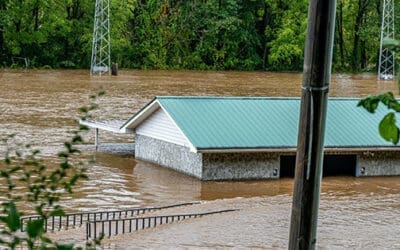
x=253, y=122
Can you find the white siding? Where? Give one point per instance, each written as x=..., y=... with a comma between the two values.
x=160, y=126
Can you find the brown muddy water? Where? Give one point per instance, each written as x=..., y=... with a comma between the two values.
x=40, y=107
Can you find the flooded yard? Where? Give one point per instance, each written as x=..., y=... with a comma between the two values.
x=40, y=108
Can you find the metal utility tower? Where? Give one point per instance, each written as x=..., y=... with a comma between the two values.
x=100, y=62
x=386, y=56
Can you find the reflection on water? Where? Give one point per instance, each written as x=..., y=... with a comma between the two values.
x=40, y=107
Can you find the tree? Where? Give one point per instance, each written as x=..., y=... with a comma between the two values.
x=177, y=34
x=287, y=49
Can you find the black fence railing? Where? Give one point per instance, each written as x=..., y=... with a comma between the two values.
x=108, y=228
x=53, y=223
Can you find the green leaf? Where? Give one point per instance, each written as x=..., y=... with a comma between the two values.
x=77, y=138
x=84, y=109
x=65, y=165
x=35, y=228
x=13, y=217
x=63, y=155
x=57, y=212
x=390, y=101
x=7, y=161
x=388, y=129
x=4, y=174
x=74, y=179
x=45, y=240
x=370, y=103
x=68, y=145
x=15, y=169
x=83, y=128
x=64, y=246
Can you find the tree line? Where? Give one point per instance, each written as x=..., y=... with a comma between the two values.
x=186, y=34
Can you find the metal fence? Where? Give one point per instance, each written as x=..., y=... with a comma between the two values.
x=107, y=228
x=53, y=223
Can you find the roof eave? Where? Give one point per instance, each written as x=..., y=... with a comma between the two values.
x=140, y=116
x=93, y=124
x=293, y=149
x=245, y=150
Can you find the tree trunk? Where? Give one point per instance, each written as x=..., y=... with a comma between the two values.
x=356, y=58
x=35, y=13
x=74, y=10
x=261, y=26
x=17, y=26
x=340, y=39
x=2, y=44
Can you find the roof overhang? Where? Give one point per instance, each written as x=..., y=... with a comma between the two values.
x=140, y=116
x=291, y=150
x=145, y=113
x=114, y=127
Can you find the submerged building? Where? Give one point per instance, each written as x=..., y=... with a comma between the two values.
x=231, y=138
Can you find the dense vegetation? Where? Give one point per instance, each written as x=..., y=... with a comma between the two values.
x=181, y=34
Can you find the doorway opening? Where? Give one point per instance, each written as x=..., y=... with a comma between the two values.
x=334, y=165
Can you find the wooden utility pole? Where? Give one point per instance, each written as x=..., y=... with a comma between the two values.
x=316, y=78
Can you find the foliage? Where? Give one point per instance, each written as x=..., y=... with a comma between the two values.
x=26, y=181
x=388, y=128
x=177, y=34
x=288, y=46
x=195, y=34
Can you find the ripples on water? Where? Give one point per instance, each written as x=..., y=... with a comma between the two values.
x=40, y=107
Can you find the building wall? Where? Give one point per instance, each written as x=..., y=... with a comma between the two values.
x=168, y=155
x=161, y=126
x=378, y=164
x=239, y=166
x=373, y=163
x=220, y=166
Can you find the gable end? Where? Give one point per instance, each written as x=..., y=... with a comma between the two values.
x=160, y=126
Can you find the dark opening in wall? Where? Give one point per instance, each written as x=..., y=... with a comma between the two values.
x=334, y=165
x=288, y=164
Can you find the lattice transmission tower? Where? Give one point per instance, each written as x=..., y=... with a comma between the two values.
x=386, y=57
x=101, y=60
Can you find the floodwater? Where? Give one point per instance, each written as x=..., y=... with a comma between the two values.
x=40, y=108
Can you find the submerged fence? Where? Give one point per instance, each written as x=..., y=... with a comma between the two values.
x=53, y=223
x=107, y=228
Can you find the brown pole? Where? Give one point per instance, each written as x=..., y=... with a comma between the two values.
x=316, y=78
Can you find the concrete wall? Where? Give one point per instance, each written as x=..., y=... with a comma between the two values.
x=168, y=155
x=239, y=166
x=221, y=166
x=378, y=164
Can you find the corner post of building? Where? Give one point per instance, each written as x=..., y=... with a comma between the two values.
x=309, y=159
x=96, y=138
